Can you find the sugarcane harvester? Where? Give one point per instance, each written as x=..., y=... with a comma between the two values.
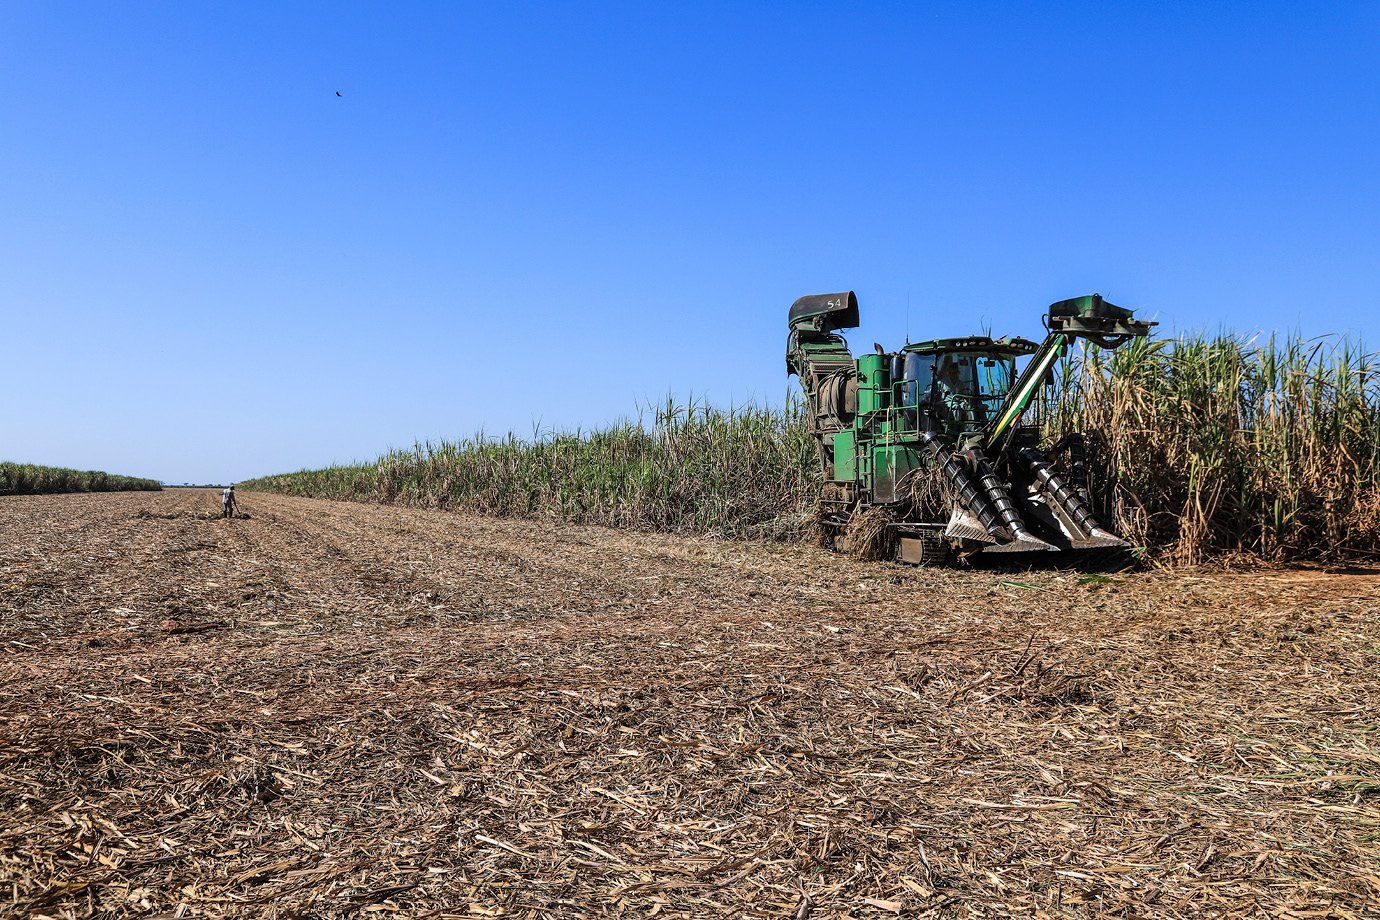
x=938, y=435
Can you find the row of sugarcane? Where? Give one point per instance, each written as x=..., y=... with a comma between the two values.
x=743, y=472
x=1200, y=446
x=29, y=479
x=1211, y=446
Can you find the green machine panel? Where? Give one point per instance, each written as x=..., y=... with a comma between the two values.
x=872, y=384
x=845, y=457
x=890, y=463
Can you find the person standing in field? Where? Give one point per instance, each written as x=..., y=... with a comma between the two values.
x=227, y=502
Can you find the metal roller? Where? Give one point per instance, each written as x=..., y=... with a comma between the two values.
x=987, y=526
x=1001, y=500
x=1068, y=500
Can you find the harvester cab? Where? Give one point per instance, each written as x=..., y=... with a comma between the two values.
x=935, y=435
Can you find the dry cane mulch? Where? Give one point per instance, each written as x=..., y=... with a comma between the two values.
x=331, y=710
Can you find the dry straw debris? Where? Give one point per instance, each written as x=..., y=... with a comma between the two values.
x=334, y=710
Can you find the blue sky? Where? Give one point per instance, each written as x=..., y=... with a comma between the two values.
x=214, y=267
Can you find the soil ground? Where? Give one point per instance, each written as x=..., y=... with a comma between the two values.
x=330, y=710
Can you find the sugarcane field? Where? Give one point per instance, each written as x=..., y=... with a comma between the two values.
x=329, y=709
x=980, y=627
x=759, y=461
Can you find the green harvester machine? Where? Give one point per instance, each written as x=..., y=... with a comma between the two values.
x=939, y=437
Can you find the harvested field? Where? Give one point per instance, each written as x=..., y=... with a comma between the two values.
x=336, y=709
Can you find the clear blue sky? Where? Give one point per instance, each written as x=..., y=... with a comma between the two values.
x=213, y=267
